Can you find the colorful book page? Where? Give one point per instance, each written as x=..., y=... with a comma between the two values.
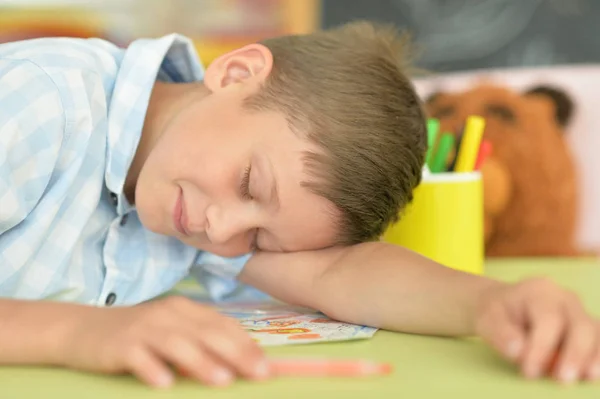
x=272, y=324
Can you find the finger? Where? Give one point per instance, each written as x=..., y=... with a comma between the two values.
x=225, y=339
x=193, y=311
x=501, y=331
x=578, y=346
x=185, y=353
x=592, y=370
x=141, y=362
x=236, y=349
x=201, y=316
x=547, y=327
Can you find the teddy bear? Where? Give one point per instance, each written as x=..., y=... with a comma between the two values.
x=529, y=180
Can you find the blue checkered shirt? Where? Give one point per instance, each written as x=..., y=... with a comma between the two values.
x=71, y=115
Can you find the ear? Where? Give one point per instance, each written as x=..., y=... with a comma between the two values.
x=563, y=104
x=250, y=64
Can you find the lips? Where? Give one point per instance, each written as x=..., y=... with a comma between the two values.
x=179, y=215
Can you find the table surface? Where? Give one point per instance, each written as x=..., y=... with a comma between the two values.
x=424, y=367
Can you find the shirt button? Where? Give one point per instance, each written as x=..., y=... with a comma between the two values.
x=114, y=198
x=123, y=220
x=110, y=299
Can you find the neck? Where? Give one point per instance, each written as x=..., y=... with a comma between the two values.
x=166, y=101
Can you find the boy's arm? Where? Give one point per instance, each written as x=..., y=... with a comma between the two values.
x=33, y=332
x=376, y=284
x=534, y=323
x=143, y=340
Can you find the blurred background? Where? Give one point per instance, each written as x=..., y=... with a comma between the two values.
x=215, y=25
x=518, y=43
x=508, y=33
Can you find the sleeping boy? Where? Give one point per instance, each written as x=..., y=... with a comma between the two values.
x=277, y=167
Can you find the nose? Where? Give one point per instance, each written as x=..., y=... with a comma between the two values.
x=226, y=223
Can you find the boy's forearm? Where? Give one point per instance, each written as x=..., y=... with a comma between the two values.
x=35, y=332
x=376, y=284
x=393, y=288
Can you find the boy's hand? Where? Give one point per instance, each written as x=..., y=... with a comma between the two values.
x=145, y=339
x=542, y=328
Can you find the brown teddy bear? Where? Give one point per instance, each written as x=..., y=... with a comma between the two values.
x=530, y=184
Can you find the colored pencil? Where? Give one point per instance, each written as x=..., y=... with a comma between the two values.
x=467, y=153
x=457, y=144
x=327, y=368
x=433, y=126
x=485, y=150
x=438, y=162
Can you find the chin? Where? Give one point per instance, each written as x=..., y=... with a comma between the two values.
x=149, y=223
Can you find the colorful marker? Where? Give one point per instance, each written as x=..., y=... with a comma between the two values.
x=438, y=162
x=327, y=368
x=467, y=153
x=485, y=150
x=458, y=142
x=433, y=126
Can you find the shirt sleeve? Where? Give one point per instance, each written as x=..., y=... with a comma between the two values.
x=32, y=125
x=218, y=276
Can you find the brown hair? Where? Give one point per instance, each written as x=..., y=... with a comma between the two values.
x=346, y=89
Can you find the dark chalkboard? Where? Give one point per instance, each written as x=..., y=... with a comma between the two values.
x=471, y=34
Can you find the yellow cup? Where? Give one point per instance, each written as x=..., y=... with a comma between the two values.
x=445, y=221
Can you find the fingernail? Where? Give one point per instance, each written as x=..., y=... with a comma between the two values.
x=568, y=374
x=262, y=369
x=222, y=377
x=514, y=349
x=164, y=380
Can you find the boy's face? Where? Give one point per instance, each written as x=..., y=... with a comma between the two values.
x=222, y=178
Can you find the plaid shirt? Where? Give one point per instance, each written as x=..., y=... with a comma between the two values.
x=71, y=115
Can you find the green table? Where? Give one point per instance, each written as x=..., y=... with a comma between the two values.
x=425, y=367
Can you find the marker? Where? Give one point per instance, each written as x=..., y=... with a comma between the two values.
x=484, y=152
x=458, y=141
x=438, y=162
x=433, y=126
x=327, y=368
x=467, y=153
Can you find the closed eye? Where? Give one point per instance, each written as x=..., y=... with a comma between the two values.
x=245, y=185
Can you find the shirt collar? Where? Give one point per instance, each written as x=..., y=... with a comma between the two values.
x=170, y=58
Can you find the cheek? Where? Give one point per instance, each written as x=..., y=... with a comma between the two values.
x=306, y=226
x=156, y=189
x=215, y=178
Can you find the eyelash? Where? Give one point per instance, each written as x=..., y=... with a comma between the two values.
x=245, y=193
x=245, y=186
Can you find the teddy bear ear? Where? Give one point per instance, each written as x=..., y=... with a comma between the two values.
x=563, y=103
